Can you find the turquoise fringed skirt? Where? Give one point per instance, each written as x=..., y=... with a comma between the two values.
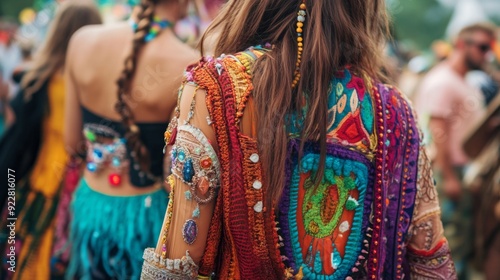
x=109, y=233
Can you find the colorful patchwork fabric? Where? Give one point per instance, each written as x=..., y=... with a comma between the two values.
x=353, y=225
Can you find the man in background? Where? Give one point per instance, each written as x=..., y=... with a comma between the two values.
x=452, y=107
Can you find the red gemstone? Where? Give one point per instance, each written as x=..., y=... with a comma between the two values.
x=206, y=163
x=115, y=179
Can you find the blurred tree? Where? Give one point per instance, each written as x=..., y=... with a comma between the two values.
x=417, y=23
x=11, y=8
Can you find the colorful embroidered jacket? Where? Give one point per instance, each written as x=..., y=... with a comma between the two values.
x=375, y=214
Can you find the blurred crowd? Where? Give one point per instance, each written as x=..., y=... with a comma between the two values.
x=456, y=95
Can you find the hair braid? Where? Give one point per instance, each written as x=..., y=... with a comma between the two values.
x=139, y=152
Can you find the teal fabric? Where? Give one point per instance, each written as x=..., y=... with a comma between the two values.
x=109, y=233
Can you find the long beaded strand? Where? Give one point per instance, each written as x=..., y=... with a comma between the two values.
x=301, y=18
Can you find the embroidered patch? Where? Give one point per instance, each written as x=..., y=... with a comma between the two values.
x=325, y=223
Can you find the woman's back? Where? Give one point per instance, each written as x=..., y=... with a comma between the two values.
x=123, y=82
x=99, y=55
x=96, y=61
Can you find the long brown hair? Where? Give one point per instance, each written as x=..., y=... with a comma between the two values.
x=138, y=151
x=336, y=34
x=70, y=16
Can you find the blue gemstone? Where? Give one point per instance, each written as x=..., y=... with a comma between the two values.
x=92, y=167
x=116, y=162
x=97, y=153
x=190, y=231
x=181, y=156
x=196, y=212
x=111, y=148
x=188, y=171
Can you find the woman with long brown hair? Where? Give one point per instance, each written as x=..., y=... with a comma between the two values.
x=292, y=160
x=123, y=81
x=33, y=150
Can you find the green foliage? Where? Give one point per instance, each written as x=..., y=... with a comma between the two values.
x=418, y=22
x=11, y=8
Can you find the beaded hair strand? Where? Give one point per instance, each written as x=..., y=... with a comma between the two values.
x=139, y=152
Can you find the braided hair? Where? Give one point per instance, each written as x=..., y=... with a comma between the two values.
x=139, y=152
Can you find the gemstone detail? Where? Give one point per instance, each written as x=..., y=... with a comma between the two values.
x=254, y=158
x=115, y=179
x=344, y=226
x=92, y=167
x=257, y=185
x=258, y=207
x=196, y=212
x=206, y=163
x=190, y=231
x=188, y=171
x=181, y=156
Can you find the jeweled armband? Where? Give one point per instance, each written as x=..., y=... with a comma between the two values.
x=195, y=163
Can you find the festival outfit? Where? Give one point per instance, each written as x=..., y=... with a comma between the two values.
x=108, y=233
x=374, y=215
x=37, y=192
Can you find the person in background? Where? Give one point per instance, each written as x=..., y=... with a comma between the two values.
x=10, y=58
x=291, y=159
x=122, y=89
x=33, y=146
x=452, y=107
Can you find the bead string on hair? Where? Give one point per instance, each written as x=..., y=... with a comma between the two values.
x=301, y=18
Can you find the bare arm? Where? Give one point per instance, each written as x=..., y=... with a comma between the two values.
x=73, y=139
x=174, y=246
